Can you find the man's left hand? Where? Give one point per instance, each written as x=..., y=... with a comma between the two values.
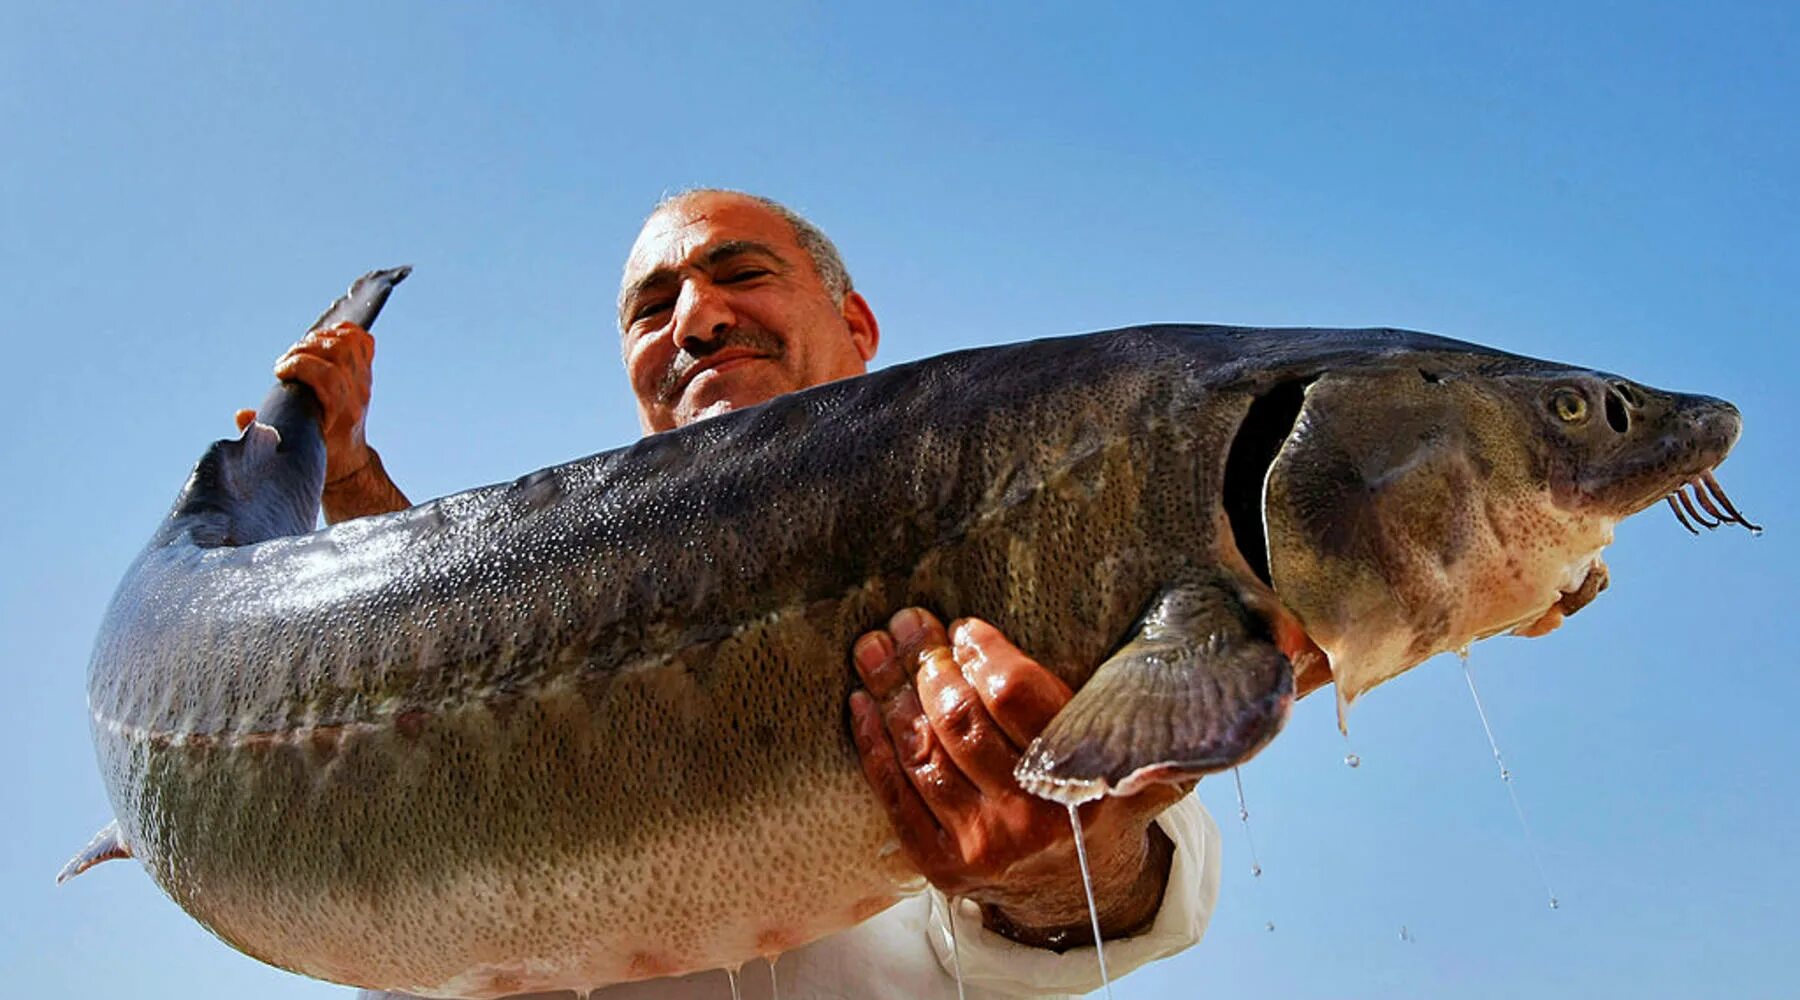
x=939, y=729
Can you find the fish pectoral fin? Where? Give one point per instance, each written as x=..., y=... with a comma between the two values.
x=1201, y=687
x=107, y=845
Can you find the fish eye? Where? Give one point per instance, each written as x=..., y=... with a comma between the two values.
x=1569, y=405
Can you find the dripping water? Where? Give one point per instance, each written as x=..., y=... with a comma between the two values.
x=1244, y=818
x=736, y=994
x=1506, y=779
x=774, y=984
x=955, y=946
x=1406, y=935
x=1087, y=885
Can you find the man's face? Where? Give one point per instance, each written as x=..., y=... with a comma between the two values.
x=721, y=308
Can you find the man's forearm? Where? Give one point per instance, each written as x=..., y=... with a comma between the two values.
x=366, y=491
x=1129, y=902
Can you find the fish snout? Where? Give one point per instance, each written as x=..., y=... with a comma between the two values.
x=1662, y=446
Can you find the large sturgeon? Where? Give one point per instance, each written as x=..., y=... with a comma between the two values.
x=589, y=726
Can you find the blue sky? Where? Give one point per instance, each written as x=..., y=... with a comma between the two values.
x=185, y=186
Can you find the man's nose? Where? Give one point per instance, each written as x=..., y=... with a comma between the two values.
x=703, y=315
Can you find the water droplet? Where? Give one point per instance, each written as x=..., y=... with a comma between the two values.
x=955, y=946
x=1512, y=792
x=1555, y=904
x=736, y=994
x=1352, y=760
x=1405, y=935
x=1087, y=884
x=1244, y=818
x=1269, y=926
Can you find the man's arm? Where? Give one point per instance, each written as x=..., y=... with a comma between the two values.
x=940, y=727
x=337, y=364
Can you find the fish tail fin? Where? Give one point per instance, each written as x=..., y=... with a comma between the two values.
x=267, y=483
x=107, y=845
x=363, y=302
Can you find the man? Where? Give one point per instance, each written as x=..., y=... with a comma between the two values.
x=729, y=300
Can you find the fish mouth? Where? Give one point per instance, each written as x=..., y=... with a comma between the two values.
x=1568, y=601
x=1705, y=491
x=1583, y=594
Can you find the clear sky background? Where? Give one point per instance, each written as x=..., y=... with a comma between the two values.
x=184, y=186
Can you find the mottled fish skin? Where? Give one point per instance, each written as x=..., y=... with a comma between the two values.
x=589, y=726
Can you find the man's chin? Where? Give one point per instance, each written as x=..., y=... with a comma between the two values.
x=720, y=391
x=709, y=410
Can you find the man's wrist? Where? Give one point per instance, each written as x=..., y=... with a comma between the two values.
x=1129, y=910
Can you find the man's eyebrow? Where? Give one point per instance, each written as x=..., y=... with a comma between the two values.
x=660, y=276
x=736, y=248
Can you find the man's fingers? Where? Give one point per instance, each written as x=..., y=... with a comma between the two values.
x=940, y=783
x=887, y=659
x=915, y=631
x=975, y=744
x=919, y=831
x=340, y=401
x=325, y=378
x=345, y=343
x=877, y=665
x=346, y=348
x=1019, y=694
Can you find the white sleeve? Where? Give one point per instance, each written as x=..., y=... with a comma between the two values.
x=1004, y=966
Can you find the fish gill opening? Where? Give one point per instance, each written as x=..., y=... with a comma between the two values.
x=1266, y=425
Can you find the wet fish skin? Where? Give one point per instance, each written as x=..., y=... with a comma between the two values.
x=588, y=726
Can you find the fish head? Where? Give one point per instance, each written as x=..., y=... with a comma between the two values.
x=1438, y=498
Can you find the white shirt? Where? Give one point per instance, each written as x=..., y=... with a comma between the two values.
x=905, y=951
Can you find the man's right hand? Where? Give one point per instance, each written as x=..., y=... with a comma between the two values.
x=337, y=364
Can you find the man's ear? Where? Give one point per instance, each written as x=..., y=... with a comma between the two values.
x=865, y=332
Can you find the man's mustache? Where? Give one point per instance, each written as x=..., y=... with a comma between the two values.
x=751, y=338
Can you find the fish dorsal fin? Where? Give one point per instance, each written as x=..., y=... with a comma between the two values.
x=1199, y=688
x=107, y=845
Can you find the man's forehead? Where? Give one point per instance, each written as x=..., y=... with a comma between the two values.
x=682, y=230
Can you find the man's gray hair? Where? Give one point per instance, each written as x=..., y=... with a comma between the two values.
x=825, y=257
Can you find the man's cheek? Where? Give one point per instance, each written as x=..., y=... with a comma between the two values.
x=643, y=369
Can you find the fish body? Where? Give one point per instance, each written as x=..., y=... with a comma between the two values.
x=589, y=726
